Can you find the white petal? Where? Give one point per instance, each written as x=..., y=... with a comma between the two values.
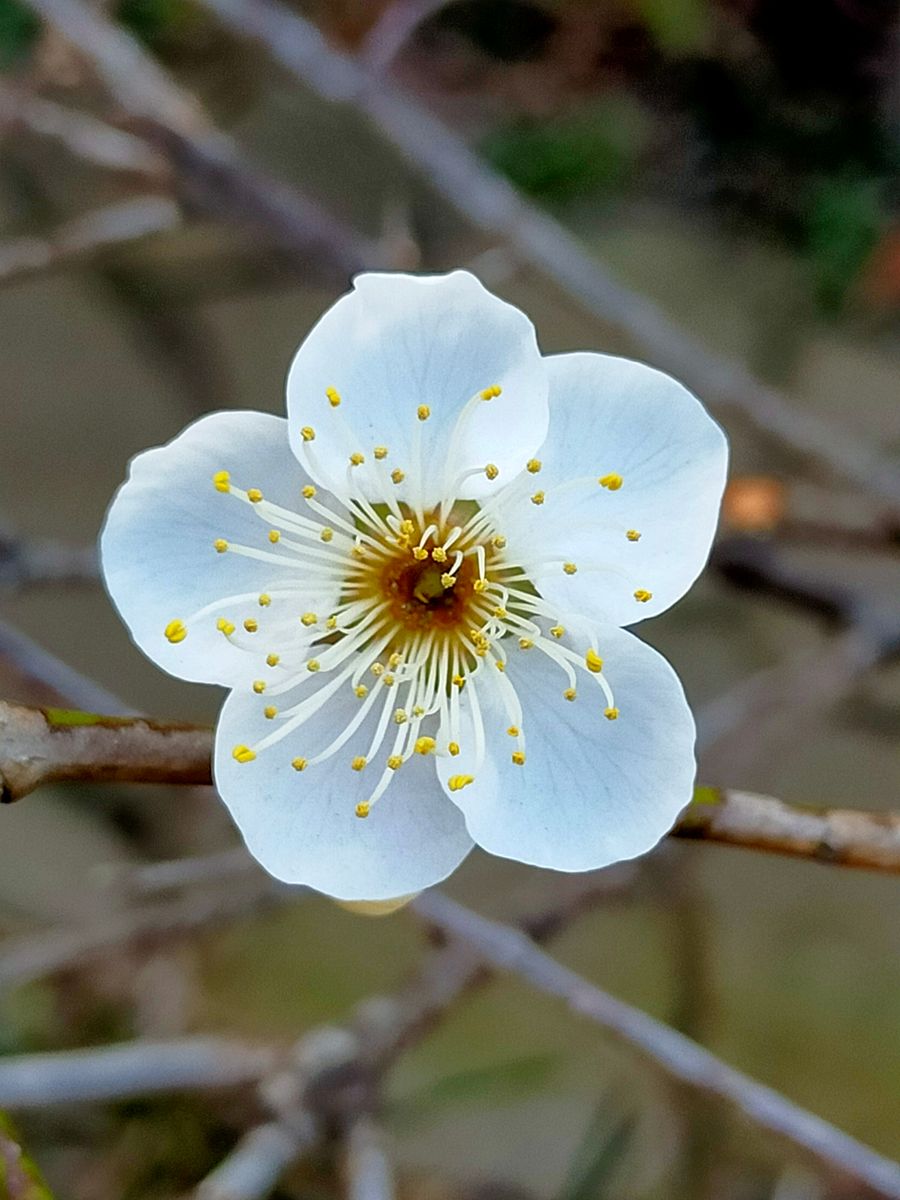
x=612, y=416
x=158, y=557
x=400, y=341
x=302, y=826
x=591, y=791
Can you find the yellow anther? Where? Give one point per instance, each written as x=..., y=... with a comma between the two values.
x=407, y=527
x=395, y=660
x=491, y=392
x=612, y=481
x=570, y=568
x=538, y=498
x=633, y=535
x=448, y=580
x=243, y=754
x=513, y=731
x=270, y=712
x=259, y=686
x=400, y=717
x=388, y=680
x=272, y=660
x=500, y=664
x=326, y=534
x=611, y=713
x=308, y=433
x=380, y=452
x=642, y=595
x=222, y=481
x=274, y=536
x=251, y=625
x=423, y=412
x=456, y=783
x=357, y=459
x=593, y=661
x=395, y=762
x=313, y=665
x=439, y=554
x=397, y=475
x=459, y=681
x=331, y=623
x=525, y=643
x=358, y=763
x=299, y=764
x=419, y=552
x=418, y=710
x=569, y=694
x=498, y=541
x=175, y=632
x=361, y=691
x=225, y=626
x=308, y=492
x=334, y=396
x=500, y=611
x=220, y=545
x=363, y=808
x=254, y=495
x=557, y=630
x=377, y=669
x=264, y=600
x=453, y=749
x=518, y=757
x=492, y=470
x=358, y=552
x=480, y=585
x=533, y=465
x=308, y=618
x=425, y=745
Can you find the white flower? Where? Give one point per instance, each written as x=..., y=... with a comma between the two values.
x=414, y=588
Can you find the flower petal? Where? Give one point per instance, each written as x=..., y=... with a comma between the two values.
x=649, y=527
x=395, y=343
x=591, y=791
x=158, y=554
x=301, y=825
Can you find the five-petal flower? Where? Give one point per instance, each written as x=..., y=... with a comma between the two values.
x=415, y=586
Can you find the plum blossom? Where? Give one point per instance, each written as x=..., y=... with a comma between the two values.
x=414, y=587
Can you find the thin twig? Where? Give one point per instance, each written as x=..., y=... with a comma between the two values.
x=28, y=562
x=261, y=1157
x=493, y=205
x=367, y=1166
x=508, y=949
x=39, y=666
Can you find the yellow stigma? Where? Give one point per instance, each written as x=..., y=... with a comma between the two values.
x=272, y=660
x=425, y=745
x=538, y=498
x=557, y=630
x=518, y=757
x=308, y=492
x=491, y=392
x=593, y=661
x=254, y=495
x=633, y=535
x=222, y=481
x=363, y=808
x=225, y=626
x=357, y=459
x=423, y=412
x=453, y=748
x=326, y=534
x=299, y=764
x=334, y=397
x=251, y=625
x=397, y=475
x=569, y=694
x=358, y=763
x=243, y=754
x=492, y=470
x=308, y=618
x=313, y=665
x=361, y=691
x=220, y=545
x=380, y=452
x=395, y=762
x=642, y=595
x=498, y=541
x=570, y=568
x=259, y=686
x=456, y=783
x=525, y=643
x=448, y=580
x=533, y=465
x=612, y=481
x=610, y=713
x=175, y=631
x=270, y=712
x=308, y=433
x=264, y=600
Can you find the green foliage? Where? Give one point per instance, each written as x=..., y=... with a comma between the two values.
x=18, y=30
x=677, y=26
x=604, y=1146
x=19, y=1177
x=154, y=21
x=498, y=1083
x=843, y=221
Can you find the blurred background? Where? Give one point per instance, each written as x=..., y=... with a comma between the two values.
x=168, y=239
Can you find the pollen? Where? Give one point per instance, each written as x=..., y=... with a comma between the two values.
x=264, y=600
x=220, y=545
x=334, y=397
x=251, y=625
x=397, y=475
x=380, y=452
x=593, y=661
x=363, y=808
x=313, y=665
x=272, y=660
x=395, y=762
x=243, y=754
x=308, y=492
x=425, y=745
x=361, y=691
x=175, y=631
x=308, y=433
x=259, y=686
x=525, y=643
x=458, y=681
x=570, y=568
x=326, y=534
x=611, y=714
x=513, y=731
x=377, y=669
x=395, y=660
x=270, y=712
x=538, y=498
x=491, y=392
x=456, y=783
x=299, y=764
x=423, y=412
x=533, y=465
x=331, y=623
x=492, y=470
x=254, y=495
x=633, y=535
x=500, y=664
x=358, y=763
x=388, y=680
x=557, y=630
x=357, y=459
x=642, y=595
x=274, y=536
x=400, y=716
x=225, y=626
x=222, y=481
x=518, y=757
x=611, y=482
x=308, y=618
x=570, y=694
x=453, y=749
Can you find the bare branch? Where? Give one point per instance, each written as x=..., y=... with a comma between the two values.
x=366, y=1163
x=393, y=29
x=509, y=949
x=26, y=562
x=493, y=205
x=254, y=1166
x=38, y=666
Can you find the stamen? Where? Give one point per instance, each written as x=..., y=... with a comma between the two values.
x=175, y=632
x=633, y=535
x=612, y=481
x=642, y=595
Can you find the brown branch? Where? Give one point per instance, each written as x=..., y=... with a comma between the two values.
x=55, y=680
x=490, y=202
x=509, y=949
x=40, y=746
